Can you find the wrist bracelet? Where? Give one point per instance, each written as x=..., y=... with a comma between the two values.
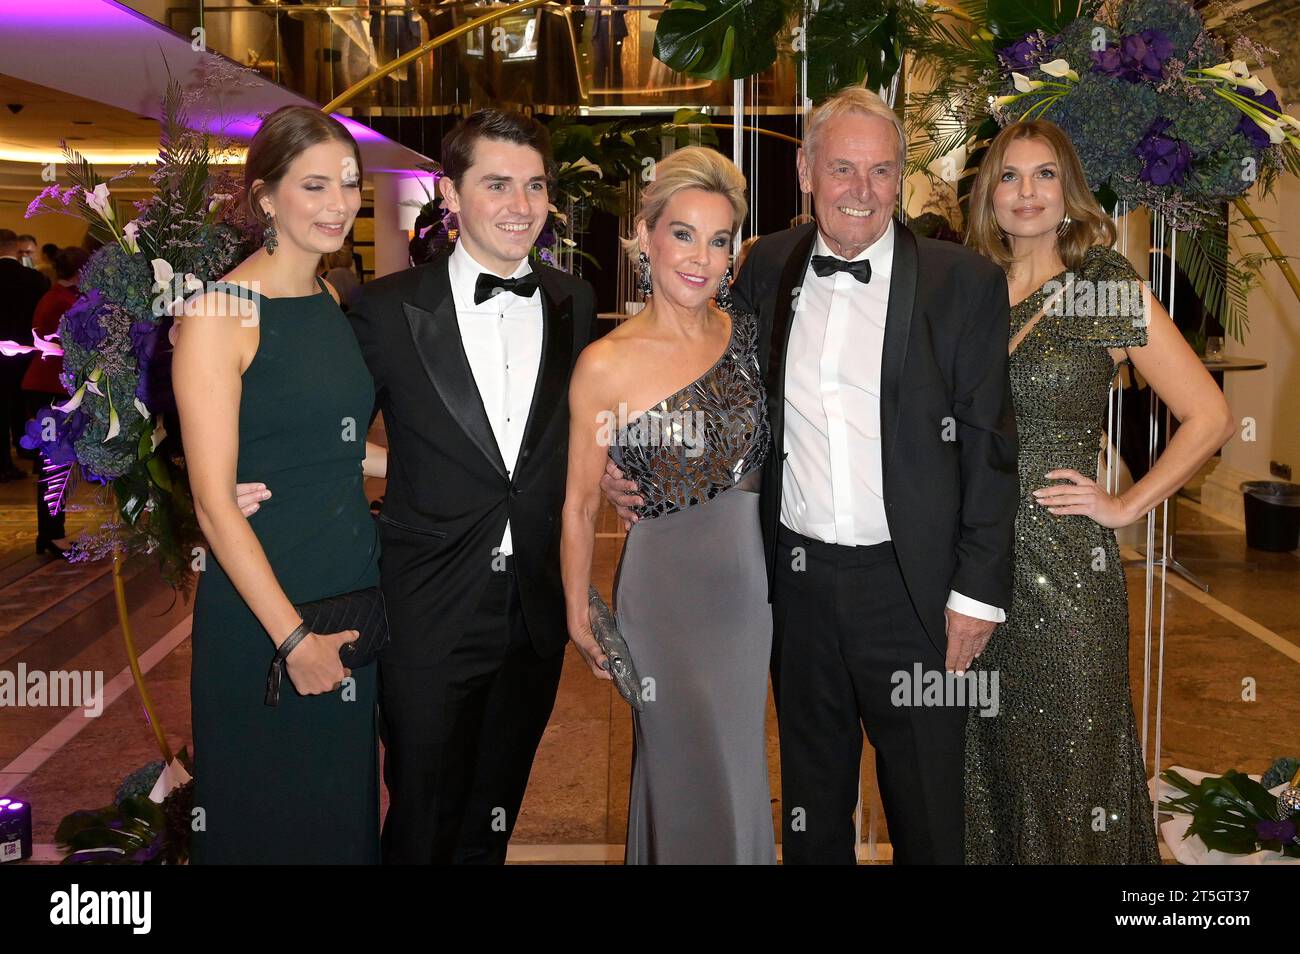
x=273, y=678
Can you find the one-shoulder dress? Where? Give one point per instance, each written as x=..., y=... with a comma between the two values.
x=691, y=600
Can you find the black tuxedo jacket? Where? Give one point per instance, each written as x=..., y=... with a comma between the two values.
x=948, y=436
x=449, y=495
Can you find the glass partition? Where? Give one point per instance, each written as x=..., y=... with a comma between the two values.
x=559, y=57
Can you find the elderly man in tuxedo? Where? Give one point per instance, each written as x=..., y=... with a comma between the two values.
x=889, y=497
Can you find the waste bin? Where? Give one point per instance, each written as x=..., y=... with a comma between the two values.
x=1272, y=515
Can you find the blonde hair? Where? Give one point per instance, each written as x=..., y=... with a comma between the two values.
x=694, y=167
x=853, y=99
x=1089, y=225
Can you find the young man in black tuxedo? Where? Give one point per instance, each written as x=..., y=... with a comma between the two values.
x=889, y=498
x=471, y=356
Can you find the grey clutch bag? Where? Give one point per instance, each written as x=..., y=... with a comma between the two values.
x=612, y=644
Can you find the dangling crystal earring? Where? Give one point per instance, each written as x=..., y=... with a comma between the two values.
x=268, y=238
x=1065, y=224
x=723, y=298
x=643, y=275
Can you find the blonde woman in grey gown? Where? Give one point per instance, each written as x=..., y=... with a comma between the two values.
x=675, y=397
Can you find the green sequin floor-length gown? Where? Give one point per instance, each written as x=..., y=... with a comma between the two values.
x=297, y=783
x=1056, y=777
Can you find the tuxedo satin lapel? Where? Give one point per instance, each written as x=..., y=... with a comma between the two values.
x=551, y=390
x=898, y=327
x=437, y=341
x=796, y=265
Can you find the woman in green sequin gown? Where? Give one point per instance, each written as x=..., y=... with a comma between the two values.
x=1057, y=775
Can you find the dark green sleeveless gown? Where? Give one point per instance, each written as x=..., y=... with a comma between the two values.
x=297, y=783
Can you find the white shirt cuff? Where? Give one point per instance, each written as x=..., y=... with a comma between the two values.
x=969, y=607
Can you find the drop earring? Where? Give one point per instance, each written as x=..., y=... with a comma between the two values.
x=269, y=241
x=643, y=275
x=723, y=298
x=1065, y=224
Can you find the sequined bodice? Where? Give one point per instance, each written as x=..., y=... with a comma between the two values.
x=1061, y=372
x=705, y=438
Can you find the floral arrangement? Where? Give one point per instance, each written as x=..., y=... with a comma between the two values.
x=116, y=339
x=1161, y=112
x=1235, y=814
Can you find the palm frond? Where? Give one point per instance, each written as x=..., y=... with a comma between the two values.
x=82, y=173
x=1221, y=284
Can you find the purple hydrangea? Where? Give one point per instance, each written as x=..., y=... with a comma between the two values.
x=80, y=323
x=153, y=361
x=1247, y=126
x=1165, y=159
x=1139, y=57
x=68, y=428
x=1026, y=53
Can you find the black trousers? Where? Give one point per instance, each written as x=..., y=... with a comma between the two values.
x=460, y=737
x=48, y=526
x=843, y=626
x=13, y=407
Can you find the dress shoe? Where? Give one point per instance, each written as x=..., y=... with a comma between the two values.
x=44, y=545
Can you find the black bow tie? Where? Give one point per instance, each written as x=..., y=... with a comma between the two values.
x=825, y=265
x=489, y=285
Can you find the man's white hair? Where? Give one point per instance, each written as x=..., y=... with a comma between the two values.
x=852, y=99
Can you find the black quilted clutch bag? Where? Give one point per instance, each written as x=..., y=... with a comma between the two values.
x=362, y=610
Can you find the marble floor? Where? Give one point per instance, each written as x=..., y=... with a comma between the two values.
x=1244, y=634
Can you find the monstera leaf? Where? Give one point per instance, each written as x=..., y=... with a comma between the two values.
x=849, y=41
x=720, y=39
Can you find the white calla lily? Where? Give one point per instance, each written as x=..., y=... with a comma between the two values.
x=162, y=272
x=159, y=434
x=47, y=346
x=139, y=406
x=97, y=199
x=72, y=403
x=1023, y=83
x=114, y=425
x=1060, y=69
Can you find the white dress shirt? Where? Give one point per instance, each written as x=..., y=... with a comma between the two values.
x=832, y=485
x=503, y=341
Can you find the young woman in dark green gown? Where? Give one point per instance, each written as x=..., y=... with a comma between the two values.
x=1057, y=775
x=271, y=387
